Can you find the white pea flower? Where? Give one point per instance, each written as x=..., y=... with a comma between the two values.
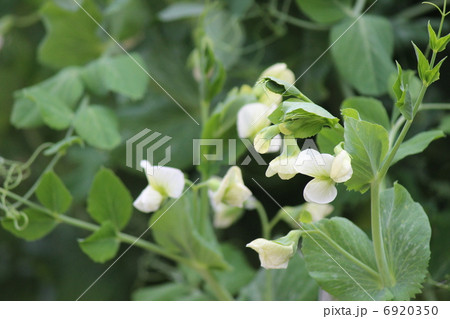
x=268, y=140
x=228, y=197
x=163, y=182
x=232, y=190
x=275, y=254
x=251, y=119
x=327, y=170
x=284, y=165
x=225, y=215
x=279, y=71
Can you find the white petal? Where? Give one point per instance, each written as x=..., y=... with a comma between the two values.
x=312, y=163
x=251, y=119
x=280, y=71
x=148, y=201
x=232, y=190
x=275, y=144
x=272, y=255
x=320, y=191
x=341, y=169
x=168, y=181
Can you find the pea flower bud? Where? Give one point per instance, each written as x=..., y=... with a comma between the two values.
x=275, y=254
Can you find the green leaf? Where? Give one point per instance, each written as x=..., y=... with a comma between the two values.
x=283, y=88
x=433, y=38
x=423, y=65
x=54, y=112
x=326, y=11
x=109, y=199
x=417, y=144
x=179, y=11
x=102, y=245
x=433, y=75
x=241, y=273
x=226, y=34
x=406, y=235
x=369, y=109
x=406, y=238
x=62, y=146
x=176, y=227
x=401, y=90
x=25, y=114
x=71, y=35
x=301, y=119
x=121, y=74
x=291, y=284
x=329, y=137
x=363, y=53
x=39, y=225
x=352, y=255
x=66, y=85
x=125, y=19
x=53, y=194
x=367, y=144
x=98, y=126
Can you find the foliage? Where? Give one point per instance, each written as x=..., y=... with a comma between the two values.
x=79, y=80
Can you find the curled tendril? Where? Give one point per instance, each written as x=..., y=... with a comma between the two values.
x=20, y=219
x=20, y=226
x=14, y=172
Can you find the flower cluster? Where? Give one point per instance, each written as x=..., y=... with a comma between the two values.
x=253, y=117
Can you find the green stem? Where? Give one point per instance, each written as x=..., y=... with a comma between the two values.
x=275, y=221
x=377, y=237
x=358, y=8
x=344, y=252
x=435, y=107
x=416, y=11
x=264, y=220
x=92, y=227
x=297, y=22
x=220, y=292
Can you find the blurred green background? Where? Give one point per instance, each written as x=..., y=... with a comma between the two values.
x=249, y=35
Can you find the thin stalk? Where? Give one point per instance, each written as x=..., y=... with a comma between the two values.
x=92, y=227
x=220, y=292
x=298, y=22
x=377, y=237
x=264, y=220
x=435, y=107
x=358, y=8
x=274, y=221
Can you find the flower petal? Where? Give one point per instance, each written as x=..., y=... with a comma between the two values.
x=320, y=191
x=148, y=201
x=341, y=168
x=272, y=255
x=275, y=144
x=251, y=119
x=312, y=163
x=168, y=181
